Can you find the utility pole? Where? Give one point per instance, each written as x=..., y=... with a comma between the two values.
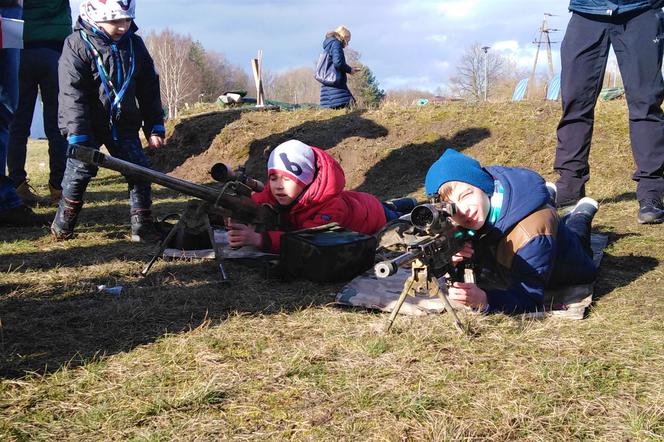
x=542, y=40
x=486, y=71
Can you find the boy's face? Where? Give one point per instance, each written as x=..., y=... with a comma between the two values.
x=471, y=202
x=284, y=189
x=115, y=28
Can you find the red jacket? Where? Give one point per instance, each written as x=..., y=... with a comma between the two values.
x=325, y=201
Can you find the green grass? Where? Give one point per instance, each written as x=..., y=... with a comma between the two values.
x=180, y=356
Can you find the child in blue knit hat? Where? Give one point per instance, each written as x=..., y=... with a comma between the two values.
x=519, y=235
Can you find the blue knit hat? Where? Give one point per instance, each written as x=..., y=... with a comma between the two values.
x=455, y=166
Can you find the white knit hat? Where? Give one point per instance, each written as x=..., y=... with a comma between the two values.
x=295, y=160
x=105, y=10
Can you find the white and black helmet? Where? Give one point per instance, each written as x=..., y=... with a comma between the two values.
x=107, y=10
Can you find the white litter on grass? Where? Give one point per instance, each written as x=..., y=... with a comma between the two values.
x=110, y=290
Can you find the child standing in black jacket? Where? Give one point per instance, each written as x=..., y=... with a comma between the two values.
x=109, y=89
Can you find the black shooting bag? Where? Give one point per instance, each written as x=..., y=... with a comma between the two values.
x=327, y=253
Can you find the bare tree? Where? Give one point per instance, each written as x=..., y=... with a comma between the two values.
x=469, y=82
x=296, y=86
x=502, y=86
x=217, y=74
x=179, y=78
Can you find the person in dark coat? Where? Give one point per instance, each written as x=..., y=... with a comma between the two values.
x=635, y=29
x=47, y=24
x=13, y=211
x=337, y=96
x=109, y=90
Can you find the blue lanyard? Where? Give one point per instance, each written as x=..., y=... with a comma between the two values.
x=112, y=93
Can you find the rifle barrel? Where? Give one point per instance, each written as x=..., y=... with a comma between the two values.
x=243, y=207
x=389, y=267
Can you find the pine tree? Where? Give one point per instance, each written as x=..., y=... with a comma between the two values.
x=370, y=94
x=362, y=83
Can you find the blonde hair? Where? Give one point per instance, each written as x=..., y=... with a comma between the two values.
x=445, y=190
x=341, y=33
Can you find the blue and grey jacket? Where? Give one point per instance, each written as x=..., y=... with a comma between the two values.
x=612, y=7
x=89, y=111
x=339, y=94
x=532, y=247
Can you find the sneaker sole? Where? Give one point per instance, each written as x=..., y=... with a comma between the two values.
x=650, y=221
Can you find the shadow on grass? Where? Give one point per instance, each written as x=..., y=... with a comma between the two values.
x=322, y=134
x=63, y=255
x=626, y=196
x=68, y=325
x=403, y=170
x=620, y=271
x=96, y=218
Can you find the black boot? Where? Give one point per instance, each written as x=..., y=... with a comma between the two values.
x=143, y=228
x=65, y=219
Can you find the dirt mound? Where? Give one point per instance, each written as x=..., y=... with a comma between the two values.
x=386, y=152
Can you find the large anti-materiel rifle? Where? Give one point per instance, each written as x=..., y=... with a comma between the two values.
x=430, y=254
x=231, y=200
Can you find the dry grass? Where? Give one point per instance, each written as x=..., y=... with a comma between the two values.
x=179, y=356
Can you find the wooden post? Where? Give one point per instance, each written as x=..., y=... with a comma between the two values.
x=256, y=68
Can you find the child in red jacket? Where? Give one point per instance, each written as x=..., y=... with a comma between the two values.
x=306, y=185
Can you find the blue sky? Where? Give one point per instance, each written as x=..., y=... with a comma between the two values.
x=407, y=43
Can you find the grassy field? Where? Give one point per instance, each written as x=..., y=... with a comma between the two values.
x=180, y=356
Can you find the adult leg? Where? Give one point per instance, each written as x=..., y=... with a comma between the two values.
x=584, y=54
x=19, y=131
x=57, y=144
x=12, y=210
x=9, y=200
x=638, y=45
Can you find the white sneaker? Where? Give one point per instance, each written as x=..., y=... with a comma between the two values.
x=553, y=190
x=586, y=206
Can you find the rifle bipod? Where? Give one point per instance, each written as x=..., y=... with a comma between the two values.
x=421, y=280
x=191, y=231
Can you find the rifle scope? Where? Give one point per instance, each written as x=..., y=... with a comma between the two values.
x=432, y=217
x=222, y=173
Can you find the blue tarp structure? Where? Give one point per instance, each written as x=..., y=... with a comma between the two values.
x=520, y=90
x=553, y=89
x=37, y=128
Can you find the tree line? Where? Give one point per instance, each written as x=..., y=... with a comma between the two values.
x=191, y=73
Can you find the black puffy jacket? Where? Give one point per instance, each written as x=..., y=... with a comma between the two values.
x=84, y=112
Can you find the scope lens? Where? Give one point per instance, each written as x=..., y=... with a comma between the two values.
x=219, y=172
x=422, y=216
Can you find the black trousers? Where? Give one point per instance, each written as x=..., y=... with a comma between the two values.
x=638, y=41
